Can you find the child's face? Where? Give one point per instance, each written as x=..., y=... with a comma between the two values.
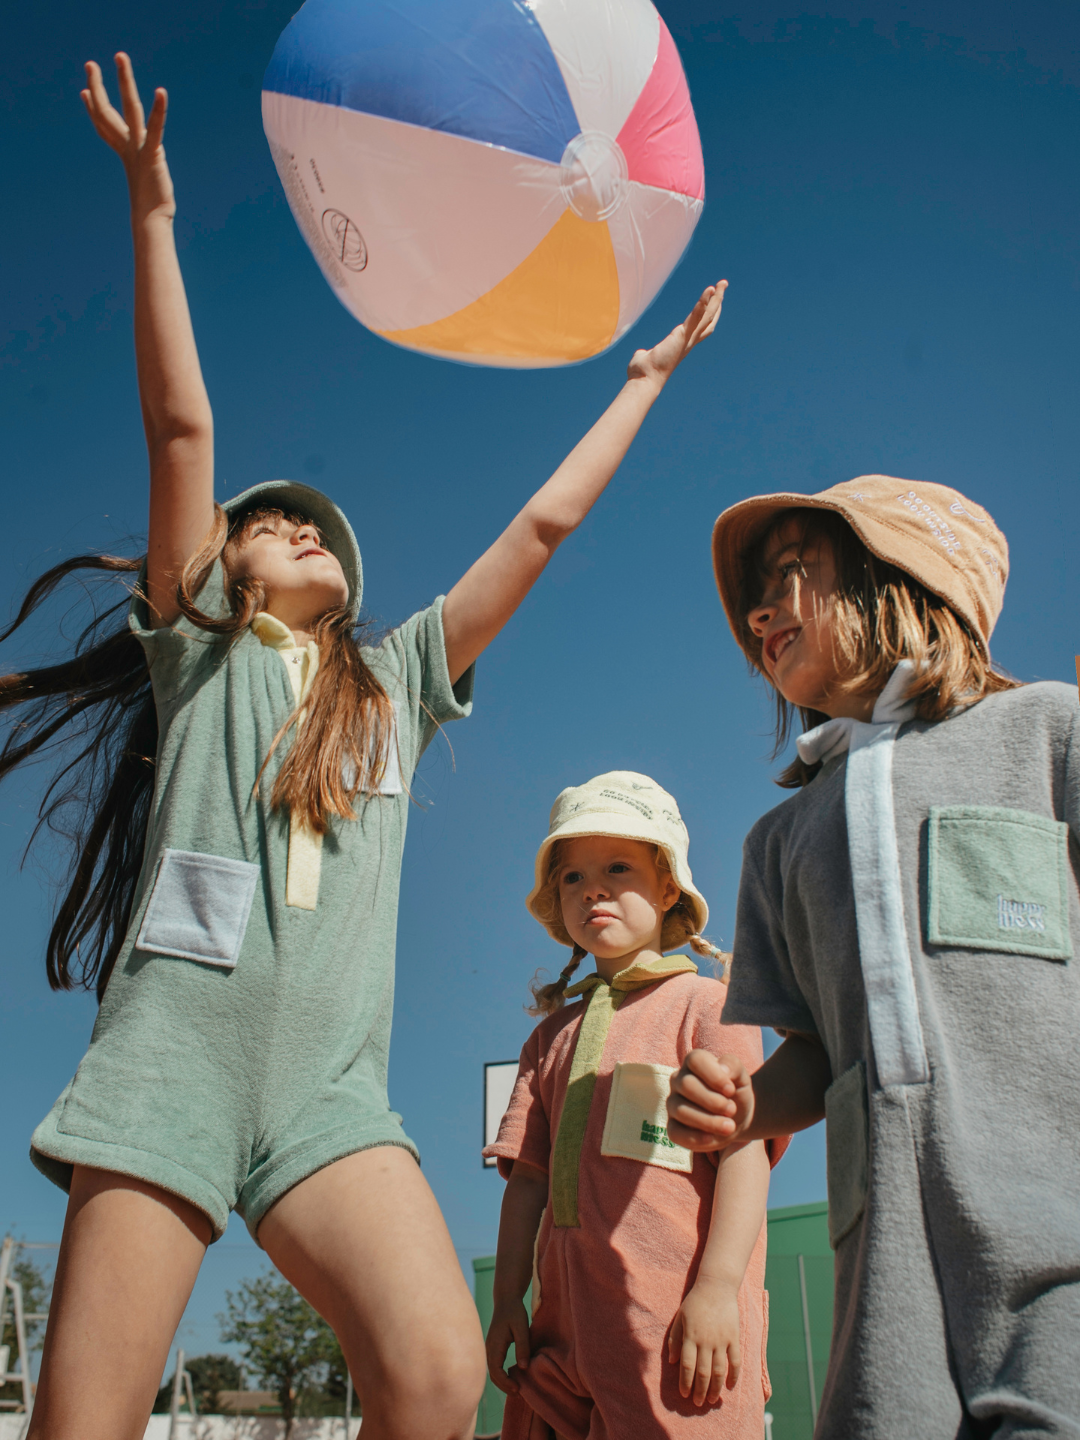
x=303, y=579
x=613, y=897
x=794, y=621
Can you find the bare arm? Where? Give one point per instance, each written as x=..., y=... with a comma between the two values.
x=175, y=407
x=715, y=1101
x=485, y=597
x=522, y=1208
x=705, y=1342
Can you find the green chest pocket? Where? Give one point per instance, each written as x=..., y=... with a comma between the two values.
x=999, y=880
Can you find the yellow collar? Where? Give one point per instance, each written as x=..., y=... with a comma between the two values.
x=273, y=632
x=636, y=977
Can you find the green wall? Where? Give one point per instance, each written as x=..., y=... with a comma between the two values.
x=798, y=1230
x=489, y=1420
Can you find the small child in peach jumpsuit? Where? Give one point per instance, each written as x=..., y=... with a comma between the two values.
x=649, y=1314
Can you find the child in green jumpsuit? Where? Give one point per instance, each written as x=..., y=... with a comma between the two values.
x=235, y=892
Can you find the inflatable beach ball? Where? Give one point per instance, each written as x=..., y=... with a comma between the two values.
x=506, y=182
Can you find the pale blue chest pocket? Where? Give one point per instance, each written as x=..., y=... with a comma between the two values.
x=999, y=880
x=199, y=907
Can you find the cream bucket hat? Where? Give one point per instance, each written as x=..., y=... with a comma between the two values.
x=629, y=806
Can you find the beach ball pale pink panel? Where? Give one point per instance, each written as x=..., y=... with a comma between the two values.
x=486, y=180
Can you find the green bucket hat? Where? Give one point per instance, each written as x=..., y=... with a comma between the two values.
x=291, y=496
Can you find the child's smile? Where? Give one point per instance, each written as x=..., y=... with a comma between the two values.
x=795, y=621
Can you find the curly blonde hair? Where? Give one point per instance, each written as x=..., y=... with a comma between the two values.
x=678, y=929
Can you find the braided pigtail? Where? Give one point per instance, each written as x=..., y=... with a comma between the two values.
x=549, y=998
x=721, y=959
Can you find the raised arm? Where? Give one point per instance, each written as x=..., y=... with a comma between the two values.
x=485, y=597
x=175, y=407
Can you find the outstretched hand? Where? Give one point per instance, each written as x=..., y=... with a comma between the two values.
x=711, y=1103
x=135, y=139
x=659, y=362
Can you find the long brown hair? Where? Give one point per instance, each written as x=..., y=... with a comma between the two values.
x=881, y=616
x=96, y=711
x=343, y=746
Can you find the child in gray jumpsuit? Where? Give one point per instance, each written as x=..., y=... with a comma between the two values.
x=235, y=887
x=909, y=921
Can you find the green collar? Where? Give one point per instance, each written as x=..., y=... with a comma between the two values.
x=635, y=977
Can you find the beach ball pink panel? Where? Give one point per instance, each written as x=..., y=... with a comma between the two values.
x=660, y=138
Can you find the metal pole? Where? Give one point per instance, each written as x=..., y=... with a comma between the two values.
x=348, y=1403
x=174, y=1409
x=806, y=1336
x=20, y=1340
x=190, y=1395
x=5, y=1268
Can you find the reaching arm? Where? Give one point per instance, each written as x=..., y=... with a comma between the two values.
x=175, y=407
x=705, y=1341
x=484, y=598
x=522, y=1208
x=715, y=1102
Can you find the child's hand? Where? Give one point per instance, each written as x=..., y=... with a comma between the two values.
x=509, y=1326
x=658, y=363
x=704, y=1342
x=711, y=1102
x=135, y=140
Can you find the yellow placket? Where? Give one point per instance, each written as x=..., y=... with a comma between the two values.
x=305, y=846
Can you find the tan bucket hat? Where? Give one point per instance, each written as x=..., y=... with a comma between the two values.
x=938, y=536
x=630, y=806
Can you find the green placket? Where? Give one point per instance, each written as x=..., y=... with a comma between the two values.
x=585, y=1066
x=588, y=1052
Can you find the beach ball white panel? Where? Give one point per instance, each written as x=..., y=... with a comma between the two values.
x=417, y=200
x=605, y=51
x=649, y=233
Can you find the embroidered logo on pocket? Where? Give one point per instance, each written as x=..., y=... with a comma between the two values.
x=1020, y=915
x=199, y=908
x=635, y=1127
x=998, y=880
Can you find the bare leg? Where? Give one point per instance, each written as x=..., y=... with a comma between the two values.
x=365, y=1243
x=128, y=1260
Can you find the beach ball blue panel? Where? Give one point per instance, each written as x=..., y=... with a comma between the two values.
x=481, y=69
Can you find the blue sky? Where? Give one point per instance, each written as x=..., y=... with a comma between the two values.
x=892, y=193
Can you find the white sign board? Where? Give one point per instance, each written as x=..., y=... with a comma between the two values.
x=499, y=1077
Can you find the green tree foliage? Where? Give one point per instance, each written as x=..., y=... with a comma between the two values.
x=210, y=1374
x=36, y=1289
x=284, y=1342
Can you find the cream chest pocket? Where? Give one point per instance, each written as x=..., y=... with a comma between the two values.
x=635, y=1127
x=998, y=880
x=199, y=908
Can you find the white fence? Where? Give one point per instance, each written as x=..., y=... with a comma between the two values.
x=219, y=1427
